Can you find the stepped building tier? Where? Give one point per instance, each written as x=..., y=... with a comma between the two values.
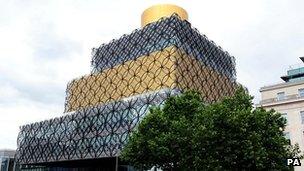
x=166, y=54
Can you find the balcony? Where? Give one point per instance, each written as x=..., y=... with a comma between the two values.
x=285, y=99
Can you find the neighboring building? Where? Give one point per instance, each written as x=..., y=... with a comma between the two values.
x=164, y=58
x=7, y=160
x=288, y=99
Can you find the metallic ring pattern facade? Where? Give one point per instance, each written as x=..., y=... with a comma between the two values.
x=128, y=76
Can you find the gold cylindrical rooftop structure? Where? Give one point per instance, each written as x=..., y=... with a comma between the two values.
x=156, y=12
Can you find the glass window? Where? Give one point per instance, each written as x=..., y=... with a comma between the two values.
x=281, y=95
x=4, y=164
x=301, y=92
x=287, y=136
x=302, y=117
x=284, y=115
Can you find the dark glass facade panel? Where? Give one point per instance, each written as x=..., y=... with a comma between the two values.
x=95, y=132
x=159, y=35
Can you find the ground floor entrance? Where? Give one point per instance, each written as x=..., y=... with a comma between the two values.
x=101, y=164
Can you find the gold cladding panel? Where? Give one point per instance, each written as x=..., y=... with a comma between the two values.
x=154, y=13
x=191, y=74
x=169, y=68
x=146, y=73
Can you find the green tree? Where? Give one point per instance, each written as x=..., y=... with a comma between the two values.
x=187, y=134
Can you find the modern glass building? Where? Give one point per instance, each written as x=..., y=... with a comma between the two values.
x=164, y=58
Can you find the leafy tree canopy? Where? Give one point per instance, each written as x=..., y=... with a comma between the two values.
x=187, y=134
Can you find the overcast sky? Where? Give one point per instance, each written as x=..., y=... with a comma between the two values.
x=45, y=44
